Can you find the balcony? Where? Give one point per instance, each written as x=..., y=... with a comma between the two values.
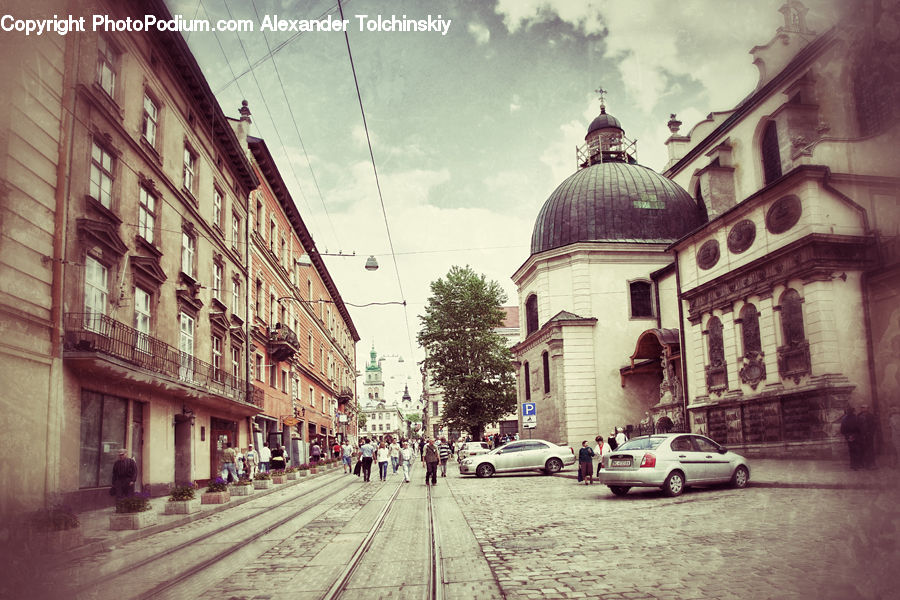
x=89, y=335
x=344, y=395
x=282, y=343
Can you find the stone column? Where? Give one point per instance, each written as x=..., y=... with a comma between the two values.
x=819, y=326
x=770, y=338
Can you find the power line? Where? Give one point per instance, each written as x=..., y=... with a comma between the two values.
x=377, y=181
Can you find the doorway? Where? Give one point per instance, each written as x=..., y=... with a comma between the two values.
x=221, y=433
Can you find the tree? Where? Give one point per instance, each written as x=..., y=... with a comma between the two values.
x=465, y=356
x=414, y=418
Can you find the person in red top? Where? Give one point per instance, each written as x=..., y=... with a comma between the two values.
x=336, y=450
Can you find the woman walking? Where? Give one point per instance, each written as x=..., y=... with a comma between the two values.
x=384, y=455
x=586, y=463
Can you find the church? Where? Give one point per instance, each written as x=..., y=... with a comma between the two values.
x=749, y=292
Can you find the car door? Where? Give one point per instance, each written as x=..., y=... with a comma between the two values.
x=716, y=465
x=690, y=459
x=509, y=457
x=533, y=455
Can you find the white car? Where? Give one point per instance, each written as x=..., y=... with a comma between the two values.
x=471, y=449
x=521, y=455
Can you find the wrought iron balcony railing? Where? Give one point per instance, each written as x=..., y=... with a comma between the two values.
x=86, y=332
x=282, y=343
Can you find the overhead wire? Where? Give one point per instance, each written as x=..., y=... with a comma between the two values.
x=387, y=227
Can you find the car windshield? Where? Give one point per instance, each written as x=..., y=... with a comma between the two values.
x=643, y=443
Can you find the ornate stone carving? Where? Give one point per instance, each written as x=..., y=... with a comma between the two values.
x=754, y=369
x=783, y=214
x=708, y=255
x=741, y=236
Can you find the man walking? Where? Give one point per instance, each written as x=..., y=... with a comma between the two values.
x=444, y=455
x=251, y=462
x=228, y=469
x=394, y=449
x=431, y=458
x=406, y=460
x=265, y=456
x=366, y=452
x=124, y=474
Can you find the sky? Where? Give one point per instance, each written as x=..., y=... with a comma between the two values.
x=471, y=128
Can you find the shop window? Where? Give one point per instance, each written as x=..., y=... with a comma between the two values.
x=103, y=427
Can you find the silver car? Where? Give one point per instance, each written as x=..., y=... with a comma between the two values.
x=473, y=448
x=670, y=462
x=521, y=455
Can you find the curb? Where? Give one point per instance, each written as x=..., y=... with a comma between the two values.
x=800, y=486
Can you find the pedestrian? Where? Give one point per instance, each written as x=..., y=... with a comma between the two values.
x=422, y=448
x=599, y=449
x=444, y=455
x=431, y=458
x=850, y=431
x=124, y=474
x=586, y=463
x=278, y=459
x=315, y=453
x=621, y=438
x=366, y=452
x=251, y=462
x=346, y=455
x=383, y=455
x=336, y=450
x=265, y=457
x=239, y=462
x=406, y=460
x=395, y=454
x=611, y=440
x=868, y=429
x=229, y=471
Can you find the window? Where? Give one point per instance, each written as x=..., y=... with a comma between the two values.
x=107, y=64
x=284, y=381
x=308, y=289
x=273, y=375
x=142, y=318
x=236, y=298
x=273, y=234
x=750, y=330
x=235, y=362
x=527, y=382
x=217, y=358
x=186, y=346
x=310, y=340
x=190, y=169
x=217, y=280
x=272, y=304
x=545, y=359
x=716, y=373
x=188, y=250
x=771, y=155
x=217, y=208
x=146, y=214
x=258, y=301
x=259, y=368
x=96, y=281
x=235, y=231
x=792, y=318
x=149, y=124
x=284, y=253
x=312, y=397
x=641, y=294
x=101, y=175
x=104, y=421
x=531, y=315
x=259, y=215
x=321, y=359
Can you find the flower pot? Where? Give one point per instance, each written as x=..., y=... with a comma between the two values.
x=139, y=520
x=293, y=476
x=182, y=507
x=303, y=473
x=278, y=479
x=241, y=490
x=262, y=484
x=313, y=470
x=215, y=497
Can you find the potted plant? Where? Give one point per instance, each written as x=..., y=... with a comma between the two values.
x=183, y=500
x=216, y=492
x=278, y=476
x=303, y=469
x=54, y=529
x=243, y=487
x=292, y=473
x=313, y=468
x=132, y=512
x=262, y=481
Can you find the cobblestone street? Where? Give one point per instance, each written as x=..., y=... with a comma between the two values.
x=550, y=537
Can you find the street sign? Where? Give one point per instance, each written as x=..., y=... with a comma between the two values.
x=529, y=408
x=529, y=421
x=290, y=421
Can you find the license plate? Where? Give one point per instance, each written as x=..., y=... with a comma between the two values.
x=621, y=462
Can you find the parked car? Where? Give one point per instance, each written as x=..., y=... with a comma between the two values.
x=670, y=462
x=472, y=448
x=521, y=455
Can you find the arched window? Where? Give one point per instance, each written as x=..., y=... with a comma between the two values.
x=771, y=155
x=750, y=330
x=792, y=318
x=716, y=371
x=531, y=315
x=641, y=293
x=527, y=382
x=545, y=358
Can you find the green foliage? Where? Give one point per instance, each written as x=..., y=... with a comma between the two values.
x=133, y=504
x=414, y=417
x=361, y=420
x=183, y=492
x=465, y=356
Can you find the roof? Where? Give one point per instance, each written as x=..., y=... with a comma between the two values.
x=614, y=201
x=603, y=121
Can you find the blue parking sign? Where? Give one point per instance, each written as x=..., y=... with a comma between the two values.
x=528, y=408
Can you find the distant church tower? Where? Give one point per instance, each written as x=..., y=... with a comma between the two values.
x=374, y=379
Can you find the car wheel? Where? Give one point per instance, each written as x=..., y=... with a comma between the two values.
x=619, y=490
x=741, y=477
x=554, y=465
x=674, y=484
x=484, y=470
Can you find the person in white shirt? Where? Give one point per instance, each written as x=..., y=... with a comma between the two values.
x=383, y=455
x=621, y=438
x=406, y=460
x=265, y=456
x=346, y=455
x=599, y=449
x=395, y=454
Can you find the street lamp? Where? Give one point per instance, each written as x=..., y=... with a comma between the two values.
x=371, y=262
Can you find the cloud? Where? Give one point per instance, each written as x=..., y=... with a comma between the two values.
x=480, y=32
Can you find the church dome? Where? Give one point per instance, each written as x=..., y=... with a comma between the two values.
x=614, y=201
x=603, y=121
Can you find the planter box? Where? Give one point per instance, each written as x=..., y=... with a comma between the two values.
x=215, y=497
x=262, y=484
x=278, y=479
x=182, y=507
x=120, y=521
x=241, y=490
x=293, y=476
x=303, y=473
x=313, y=470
